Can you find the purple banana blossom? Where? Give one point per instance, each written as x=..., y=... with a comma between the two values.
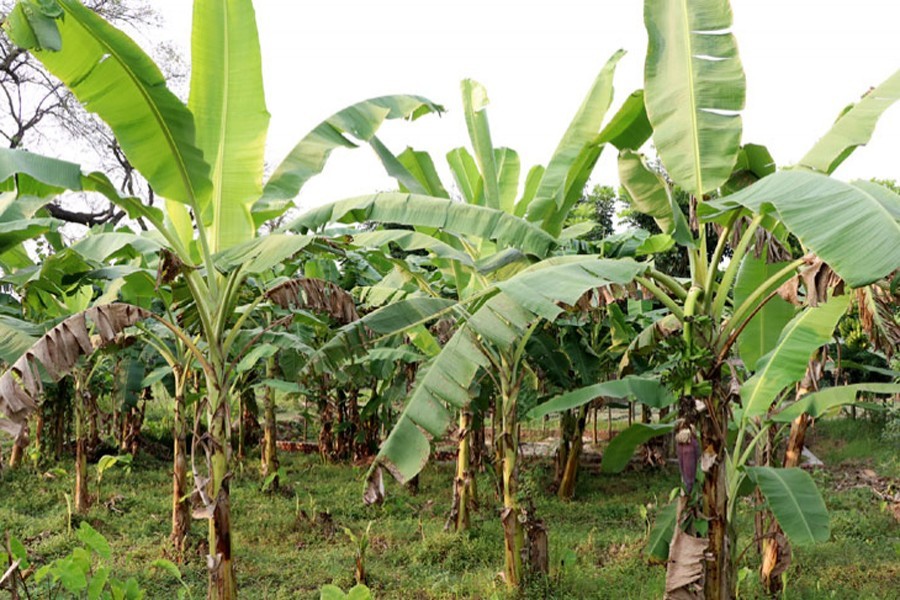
x=688, y=451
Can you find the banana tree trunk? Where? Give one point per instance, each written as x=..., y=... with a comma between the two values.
x=566, y=435
x=720, y=581
x=513, y=530
x=181, y=508
x=462, y=484
x=570, y=472
x=222, y=581
x=18, y=448
x=270, y=437
x=270, y=432
x=82, y=500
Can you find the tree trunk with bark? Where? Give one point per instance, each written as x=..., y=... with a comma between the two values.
x=181, y=506
x=463, y=482
x=566, y=489
x=720, y=581
x=82, y=499
x=222, y=581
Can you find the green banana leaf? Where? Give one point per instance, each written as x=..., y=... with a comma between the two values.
x=55, y=175
x=762, y=332
x=112, y=77
x=533, y=294
x=786, y=363
x=887, y=198
x=420, y=166
x=230, y=115
x=694, y=87
x=428, y=211
x=819, y=403
x=661, y=533
x=639, y=389
x=576, y=153
x=16, y=336
x=359, y=122
x=853, y=128
x=409, y=241
x=261, y=254
x=649, y=193
x=622, y=447
x=629, y=128
x=846, y=225
x=796, y=503
x=475, y=101
x=351, y=341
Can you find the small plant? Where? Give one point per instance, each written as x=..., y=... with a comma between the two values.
x=107, y=462
x=173, y=570
x=333, y=592
x=362, y=543
x=79, y=573
x=269, y=482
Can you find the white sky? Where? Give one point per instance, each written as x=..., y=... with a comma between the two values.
x=804, y=60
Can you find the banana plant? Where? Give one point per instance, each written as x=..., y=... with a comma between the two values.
x=495, y=231
x=205, y=159
x=491, y=338
x=694, y=92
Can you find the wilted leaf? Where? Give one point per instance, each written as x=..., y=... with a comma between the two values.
x=685, y=574
x=317, y=295
x=57, y=351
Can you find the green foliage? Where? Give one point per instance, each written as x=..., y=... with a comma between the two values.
x=81, y=573
x=357, y=592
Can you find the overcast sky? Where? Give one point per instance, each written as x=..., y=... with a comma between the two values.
x=804, y=60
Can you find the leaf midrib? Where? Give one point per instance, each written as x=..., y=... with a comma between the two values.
x=779, y=479
x=167, y=133
x=695, y=137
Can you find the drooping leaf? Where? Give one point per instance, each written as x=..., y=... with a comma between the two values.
x=694, y=87
x=887, y=198
x=358, y=122
x=622, y=447
x=411, y=240
x=16, y=336
x=786, y=363
x=639, y=389
x=648, y=193
x=56, y=175
x=261, y=254
x=853, y=128
x=317, y=295
x=796, y=503
x=57, y=351
x=629, y=128
x=819, y=403
x=500, y=321
x=845, y=225
x=421, y=167
x=427, y=211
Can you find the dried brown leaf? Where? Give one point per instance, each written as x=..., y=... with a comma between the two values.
x=374, y=493
x=57, y=352
x=317, y=295
x=685, y=572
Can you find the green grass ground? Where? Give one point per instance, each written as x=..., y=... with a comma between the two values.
x=596, y=541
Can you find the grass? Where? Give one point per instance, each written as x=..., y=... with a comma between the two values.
x=596, y=542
